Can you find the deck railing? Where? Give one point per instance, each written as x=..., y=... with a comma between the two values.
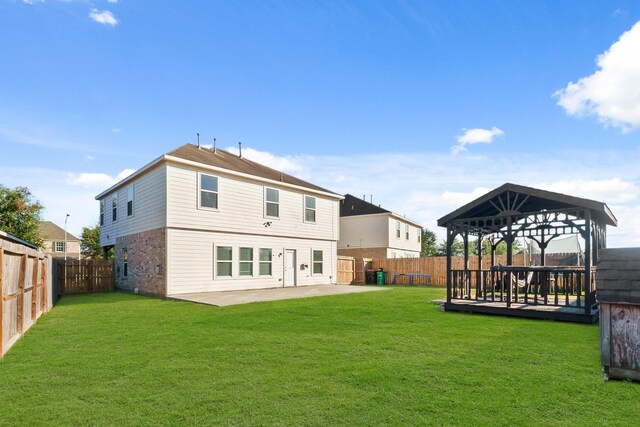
x=557, y=286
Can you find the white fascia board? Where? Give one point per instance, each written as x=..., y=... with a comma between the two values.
x=251, y=177
x=137, y=173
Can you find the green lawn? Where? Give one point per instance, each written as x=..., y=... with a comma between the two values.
x=362, y=359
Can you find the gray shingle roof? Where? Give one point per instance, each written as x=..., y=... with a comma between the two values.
x=50, y=231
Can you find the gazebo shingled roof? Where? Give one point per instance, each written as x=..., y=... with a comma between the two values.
x=536, y=201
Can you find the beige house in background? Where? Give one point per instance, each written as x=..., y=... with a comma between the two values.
x=53, y=241
x=201, y=220
x=369, y=231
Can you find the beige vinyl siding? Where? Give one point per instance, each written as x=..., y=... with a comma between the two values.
x=191, y=261
x=402, y=247
x=149, y=207
x=241, y=208
x=364, y=231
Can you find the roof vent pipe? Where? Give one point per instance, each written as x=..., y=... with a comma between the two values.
x=214, y=145
x=198, y=136
x=240, y=149
x=370, y=198
x=364, y=197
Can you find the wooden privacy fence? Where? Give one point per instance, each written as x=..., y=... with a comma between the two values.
x=25, y=288
x=435, y=266
x=85, y=276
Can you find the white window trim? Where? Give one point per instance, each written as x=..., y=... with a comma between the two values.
x=313, y=273
x=270, y=262
x=101, y=216
x=398, y=233
x=130, y=187
x=55, y=246
x=114, y=197
x=215, y=262
x=253, y=261
x=406, y=231
x=304, y=209
x=200, y=190
x=264, y=207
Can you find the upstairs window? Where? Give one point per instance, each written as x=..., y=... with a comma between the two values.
x=130, y=200
x=272, y=202
x=114, y=207
x=246, y=261
x=101, y=212
x=317, y=262
x=406, y=231
x=58, y=247
x=419, y=237
x=224, y=258
x=208, y=191
x=265, y=262
x=398, y=229
x=309, y=209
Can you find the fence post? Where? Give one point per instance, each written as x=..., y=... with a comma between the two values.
x=22, y=278
x=34, y=290
x=1, y=302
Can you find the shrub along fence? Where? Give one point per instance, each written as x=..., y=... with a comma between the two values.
x=435, y=266
x=85, y=276
x=25, y=288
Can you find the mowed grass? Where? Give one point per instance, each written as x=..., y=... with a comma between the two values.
x=362, y=359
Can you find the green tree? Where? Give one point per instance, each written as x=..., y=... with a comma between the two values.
x=20, y=214
x=457, y=248
x=501, y=249
x=428, y=243
x=90, y=243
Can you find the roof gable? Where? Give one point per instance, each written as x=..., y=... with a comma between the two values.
x=512, y=198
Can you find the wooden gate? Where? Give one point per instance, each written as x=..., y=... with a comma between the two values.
x=346, y=269
x=85, y=276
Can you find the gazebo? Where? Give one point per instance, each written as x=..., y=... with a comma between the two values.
x=512, y=211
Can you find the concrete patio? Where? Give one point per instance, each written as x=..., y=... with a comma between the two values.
x=225, y=298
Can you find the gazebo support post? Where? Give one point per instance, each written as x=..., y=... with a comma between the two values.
x=466, y=273
x=587, y=263
x=509, y=240
x=479, y=281
x=449, y=273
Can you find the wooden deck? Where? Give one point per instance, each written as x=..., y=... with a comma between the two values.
x=533, y=311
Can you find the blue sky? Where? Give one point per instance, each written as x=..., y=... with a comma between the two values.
x=424, y=105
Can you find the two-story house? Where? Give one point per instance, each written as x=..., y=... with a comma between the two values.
x=55, y=244
x=369, y=231
x=199, y=220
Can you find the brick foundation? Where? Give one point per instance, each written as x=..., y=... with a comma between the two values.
x=146, y=259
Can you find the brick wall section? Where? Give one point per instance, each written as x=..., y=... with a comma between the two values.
x=618, y=275
x=375, y=253
x=146, y=251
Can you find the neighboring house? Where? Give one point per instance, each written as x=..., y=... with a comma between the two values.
x=53, y=241
x=369, y=231
x=200, y=220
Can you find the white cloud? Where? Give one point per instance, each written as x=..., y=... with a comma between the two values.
x=612, y=93
x=112, y=1
x=32, y=1
x=475, y=136
x=287, y=164
x=90, y=157
x=98, y=181
x=116, y=130
x=613, y=190
x=103, y=17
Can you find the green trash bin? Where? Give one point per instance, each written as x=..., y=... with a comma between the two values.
x=380, y=277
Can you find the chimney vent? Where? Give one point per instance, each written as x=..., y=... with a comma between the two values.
x=240, y=149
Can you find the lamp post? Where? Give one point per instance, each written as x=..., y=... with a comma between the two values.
x=65, y=236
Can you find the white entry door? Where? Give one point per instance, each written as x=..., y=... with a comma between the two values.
x=289, y=267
